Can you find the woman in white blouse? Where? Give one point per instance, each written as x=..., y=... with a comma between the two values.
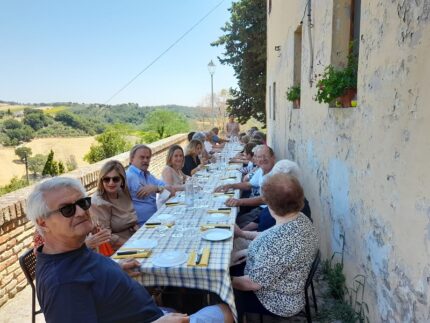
x=172, y=173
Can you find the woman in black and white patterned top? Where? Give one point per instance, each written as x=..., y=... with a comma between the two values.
x=280, y=258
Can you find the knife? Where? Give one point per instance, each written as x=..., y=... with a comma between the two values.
x=129, y=252
x=199, y=256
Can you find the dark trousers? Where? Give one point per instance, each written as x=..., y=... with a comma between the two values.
x=246, y=301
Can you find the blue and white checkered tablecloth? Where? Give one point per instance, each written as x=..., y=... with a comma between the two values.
x=185, y=235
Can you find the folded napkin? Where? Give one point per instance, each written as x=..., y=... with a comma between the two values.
x=173, y=203
x=204, y=262
x=144, y=254
x=222, y=193
x=205, y=227
x=219, y=211
x=192, y=258
x=154, y=225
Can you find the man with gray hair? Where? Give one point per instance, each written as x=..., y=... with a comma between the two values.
x=265, y=159
x=75, y=284
x=144, y=186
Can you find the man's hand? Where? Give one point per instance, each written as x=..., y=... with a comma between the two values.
x=147, y=190
x=130, y=266
x=94, y=240
x=233, y=202
x=173, y=318
x=223, y=188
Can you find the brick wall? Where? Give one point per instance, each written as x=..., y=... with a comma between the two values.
x=16, y=232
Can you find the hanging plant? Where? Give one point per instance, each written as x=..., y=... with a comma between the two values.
x=293, y=95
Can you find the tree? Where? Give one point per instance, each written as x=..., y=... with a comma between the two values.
x=34, y=118
x=245, y=50
x=61, y=168
x=47, y=169
x=36, y=163
x=111, y=143
x=14, y=184
x=71, y=163
x=165, y=123
x=23, y=152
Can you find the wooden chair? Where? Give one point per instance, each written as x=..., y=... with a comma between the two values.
x=28, y=265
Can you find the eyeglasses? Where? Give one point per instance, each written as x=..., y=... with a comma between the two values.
x=114, y=179
x=69, y=210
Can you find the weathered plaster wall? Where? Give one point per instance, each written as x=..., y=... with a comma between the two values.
x=366, y=169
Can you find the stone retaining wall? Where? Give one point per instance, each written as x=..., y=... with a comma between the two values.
x=16, y=232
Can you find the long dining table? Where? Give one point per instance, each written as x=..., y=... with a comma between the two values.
x=179, y=226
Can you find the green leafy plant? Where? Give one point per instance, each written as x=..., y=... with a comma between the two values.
x=293, y=93
x=335, y=81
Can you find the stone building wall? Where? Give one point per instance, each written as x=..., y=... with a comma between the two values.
x=16, y=232
x=365, y=169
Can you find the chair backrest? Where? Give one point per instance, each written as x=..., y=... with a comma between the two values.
x=28, y=265
x=314, y=267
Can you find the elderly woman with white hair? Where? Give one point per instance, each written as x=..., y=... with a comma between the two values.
x=265, y=220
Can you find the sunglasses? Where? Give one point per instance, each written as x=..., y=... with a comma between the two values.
x=114, y=179
x=69, y=210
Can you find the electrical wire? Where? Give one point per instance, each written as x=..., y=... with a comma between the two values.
x=164, y=52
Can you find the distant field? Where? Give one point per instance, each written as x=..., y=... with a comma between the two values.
x=54, y=110
x=16, y=108
x=62, y=147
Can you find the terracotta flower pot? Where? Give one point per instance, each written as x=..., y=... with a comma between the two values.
x=346, y=98
x=296, y=104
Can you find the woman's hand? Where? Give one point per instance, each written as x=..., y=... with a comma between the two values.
x=94, y=240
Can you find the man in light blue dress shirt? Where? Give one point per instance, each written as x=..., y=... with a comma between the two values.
x=142, y=185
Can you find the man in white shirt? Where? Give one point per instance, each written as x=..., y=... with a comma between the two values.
x=264, y=158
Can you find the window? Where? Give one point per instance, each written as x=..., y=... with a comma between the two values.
x=270, y=102
x=297, y=76
x=269, y=10
x=274, y=100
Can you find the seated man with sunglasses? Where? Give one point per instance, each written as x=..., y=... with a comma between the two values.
x=75, y=284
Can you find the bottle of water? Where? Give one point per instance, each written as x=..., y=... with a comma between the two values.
x=189, y=192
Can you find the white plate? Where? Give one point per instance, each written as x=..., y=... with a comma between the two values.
x=229, y=181
x=222, y=198
x=142, y=244
x=218, y=216
x=165, y=216
x=217, y=234
x=169, y=259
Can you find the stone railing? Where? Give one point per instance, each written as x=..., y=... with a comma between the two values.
x=16, y=232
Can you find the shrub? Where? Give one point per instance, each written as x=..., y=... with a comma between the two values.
x=293, y=93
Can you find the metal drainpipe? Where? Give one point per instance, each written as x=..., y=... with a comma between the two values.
x=311, y=48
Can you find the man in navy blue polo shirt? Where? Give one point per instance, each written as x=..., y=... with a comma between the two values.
x=74, y=284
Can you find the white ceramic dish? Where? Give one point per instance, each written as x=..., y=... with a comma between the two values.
x=229, y=181
x=142, y=244
x=169, y=259
x=164, y=217
x=217, y=217
x=217, y=234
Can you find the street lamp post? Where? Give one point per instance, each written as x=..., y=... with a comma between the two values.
x=211, y=68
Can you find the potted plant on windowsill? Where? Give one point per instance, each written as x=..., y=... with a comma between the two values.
x=338, y=85
x=293, y=95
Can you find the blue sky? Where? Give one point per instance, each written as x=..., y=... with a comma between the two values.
x=86, y=50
